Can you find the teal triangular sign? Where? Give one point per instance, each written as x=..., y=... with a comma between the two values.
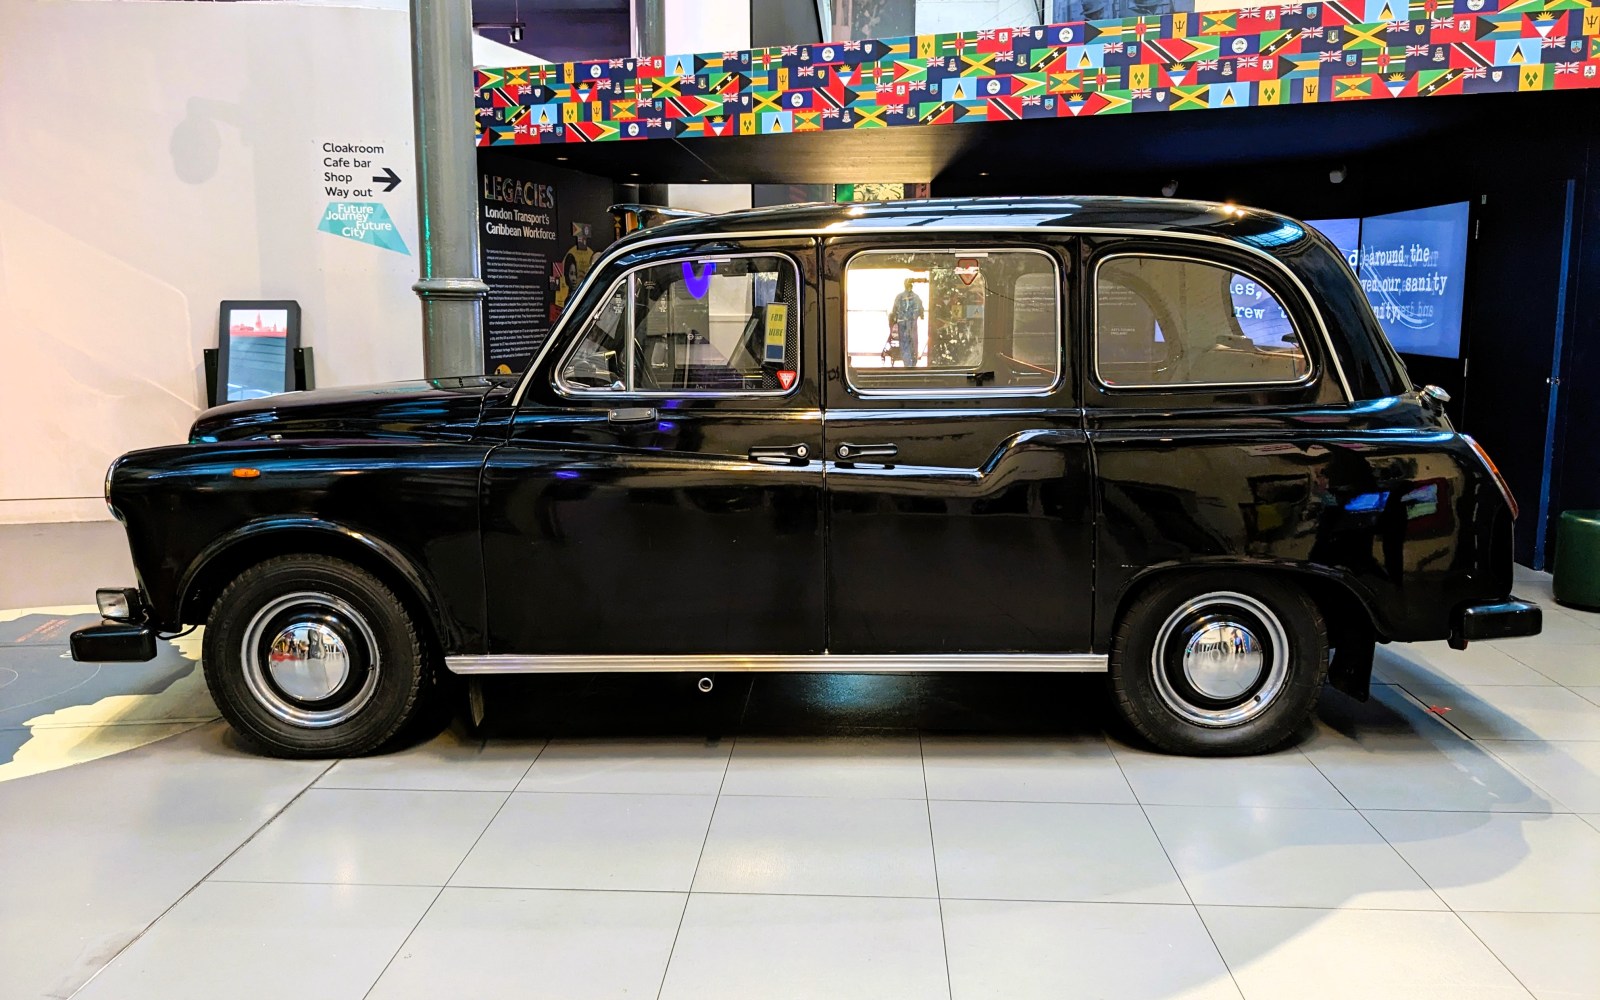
x=364, y=222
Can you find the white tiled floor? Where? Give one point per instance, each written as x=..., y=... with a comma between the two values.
x=1439, y=841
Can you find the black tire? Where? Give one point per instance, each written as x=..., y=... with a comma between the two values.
x=343, y=614
x=1217, y=700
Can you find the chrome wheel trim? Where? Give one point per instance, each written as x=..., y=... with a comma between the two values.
x=307, y=689
x=1232, y=664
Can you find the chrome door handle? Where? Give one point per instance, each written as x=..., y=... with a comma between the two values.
x=884, y=453
x=631, y=414
x=782, y=454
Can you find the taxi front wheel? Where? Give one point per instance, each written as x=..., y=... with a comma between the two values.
x=311, y=656
x=1219, y=663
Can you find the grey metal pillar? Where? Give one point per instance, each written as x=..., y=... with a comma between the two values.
x=451, y=288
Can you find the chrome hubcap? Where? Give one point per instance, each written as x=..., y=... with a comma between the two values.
x=310, y=659
x=1220, y=660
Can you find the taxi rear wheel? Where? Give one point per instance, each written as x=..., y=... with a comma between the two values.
x=311, y=656
x=1219, y=663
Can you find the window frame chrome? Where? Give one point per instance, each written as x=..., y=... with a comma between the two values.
x=567, y=390
x=974, y=392
x=1314, y=368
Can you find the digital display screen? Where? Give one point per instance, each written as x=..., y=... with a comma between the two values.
x=258, y=353
x=1412, y=266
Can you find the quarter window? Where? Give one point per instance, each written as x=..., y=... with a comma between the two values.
x=952, y=322
x=697, y=325
x=1162, y=321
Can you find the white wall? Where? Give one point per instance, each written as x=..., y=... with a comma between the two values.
x=705, y=25
x=156, y=158
x=935, y=16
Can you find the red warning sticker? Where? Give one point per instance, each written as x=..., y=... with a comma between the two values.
x=786, y=377
x=967, y=269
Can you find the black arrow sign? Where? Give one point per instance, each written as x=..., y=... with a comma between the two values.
x=389, y=181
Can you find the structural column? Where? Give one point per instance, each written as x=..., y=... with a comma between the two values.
x=451, y=288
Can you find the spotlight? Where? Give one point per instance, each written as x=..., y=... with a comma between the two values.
x=1169, y=189
x=1338, y=174
x=516, y=33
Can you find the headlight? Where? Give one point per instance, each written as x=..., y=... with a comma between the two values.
x=121, y=604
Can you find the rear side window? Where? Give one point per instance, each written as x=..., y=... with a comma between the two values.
x=952, y=322
x=1164, y=321
x=702, y=325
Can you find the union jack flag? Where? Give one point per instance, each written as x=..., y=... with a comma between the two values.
x=789, y=50
x=806, y=71
x=1399, y=26
x=1418, y=50
x=1475, y=72
x=1290, y=8
x=1310, y=32
x=1443, y=23
x=1553, y=42
x=1206, y=64
x=1329, y=56
x=654, y=122
x=832, y=114
x=616, y=63
x=545, y=129
x=1113, y=47
x=1248, y=62
x=986, y=35
x=1249, y=11
x=1141, y=92
x=1031, y=101
x=1567, y=68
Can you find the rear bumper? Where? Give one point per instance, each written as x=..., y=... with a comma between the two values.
x=1502, y=619
x=114, y=642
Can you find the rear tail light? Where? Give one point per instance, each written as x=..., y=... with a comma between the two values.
x=1494, y=470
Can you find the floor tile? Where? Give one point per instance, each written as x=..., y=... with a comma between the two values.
x=1555, y=955
x=1064, y=769
x=1287, y=857
x=550, y=840
x=1500, y=862
x=1366, y=954
x=448, y=762
x=95, y=852
x=816, y=846
x=266, y=940
x=813, y=947
x=1557, y=627
x=661, y=766
x=1570, y=772
x=1480, y=664
x=378, y=837
x=1513, y=713
x=1051, y=851
x=840, y=767
x=1391, y=754
x=1015, y=950
x=1281, y=780
x=1572, y=663
x=536, y=944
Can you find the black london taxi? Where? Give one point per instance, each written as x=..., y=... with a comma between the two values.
x=1158, y=439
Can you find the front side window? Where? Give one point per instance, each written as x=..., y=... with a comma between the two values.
x=1163, y=321
x=708, y=324
x=952, y=321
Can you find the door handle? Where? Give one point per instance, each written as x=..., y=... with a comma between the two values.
x=782, y=454
x=631, y=414
x=874, y=453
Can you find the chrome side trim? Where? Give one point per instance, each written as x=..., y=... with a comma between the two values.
x=615, y=251
x=814, y=663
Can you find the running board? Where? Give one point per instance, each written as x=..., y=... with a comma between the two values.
x=811, y=663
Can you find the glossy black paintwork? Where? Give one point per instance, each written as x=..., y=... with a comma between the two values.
x=535, y=522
